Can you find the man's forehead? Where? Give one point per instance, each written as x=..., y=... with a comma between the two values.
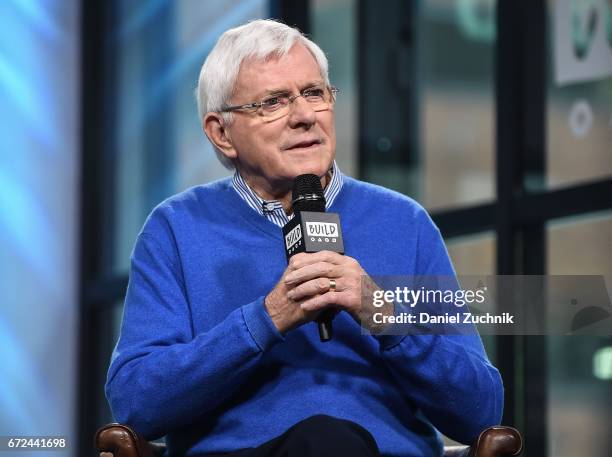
x=277, y=73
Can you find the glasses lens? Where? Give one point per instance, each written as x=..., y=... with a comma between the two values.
x=315, y=95
x=271, y=105
x=319, y=98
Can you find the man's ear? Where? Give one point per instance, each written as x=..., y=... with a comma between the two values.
x=216, y=131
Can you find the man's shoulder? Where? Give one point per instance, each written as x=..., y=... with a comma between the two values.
x=199, y=194
x=195, y=200
x=376, y=196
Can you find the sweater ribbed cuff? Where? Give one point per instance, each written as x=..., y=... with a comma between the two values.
x=260, y=325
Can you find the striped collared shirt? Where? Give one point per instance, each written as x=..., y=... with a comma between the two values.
x=273, y=209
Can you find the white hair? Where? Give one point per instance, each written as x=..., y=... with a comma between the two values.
x=258, y=39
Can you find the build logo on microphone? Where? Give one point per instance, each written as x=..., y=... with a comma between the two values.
x=293, y=237
x=322, y=231
x=312, y=231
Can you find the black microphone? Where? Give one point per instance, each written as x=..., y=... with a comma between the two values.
x=313, y=230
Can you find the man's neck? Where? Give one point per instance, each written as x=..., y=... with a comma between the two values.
x=281, y=193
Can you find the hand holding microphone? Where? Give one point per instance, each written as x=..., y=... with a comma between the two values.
x=313, y=230
x=303, y=293
x=319, y=279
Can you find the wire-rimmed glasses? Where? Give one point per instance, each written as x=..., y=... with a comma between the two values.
x=275, y=106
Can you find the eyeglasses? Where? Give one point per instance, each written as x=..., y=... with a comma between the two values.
x=273, y=107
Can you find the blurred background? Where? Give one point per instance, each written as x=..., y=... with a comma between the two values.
x=496, y=115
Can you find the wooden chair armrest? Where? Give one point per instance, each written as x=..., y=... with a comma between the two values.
x=116, y=440
x=496, y=441
x=121, y=441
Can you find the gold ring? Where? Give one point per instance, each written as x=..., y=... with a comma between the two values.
x=332, y=285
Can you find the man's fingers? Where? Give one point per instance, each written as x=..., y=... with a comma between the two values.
x=312, y=271
x=323, y=301
x=313, y=287
x=299, y=260
x=336, y=300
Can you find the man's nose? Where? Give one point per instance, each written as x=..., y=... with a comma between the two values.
x=301, y=113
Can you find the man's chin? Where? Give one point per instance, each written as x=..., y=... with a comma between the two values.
x=320, y=168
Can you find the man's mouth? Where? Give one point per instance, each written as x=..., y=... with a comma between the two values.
x=305, y=144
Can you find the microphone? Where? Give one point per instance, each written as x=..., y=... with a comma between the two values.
x=313, y=230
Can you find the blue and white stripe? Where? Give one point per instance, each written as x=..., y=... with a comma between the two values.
x=273, y=209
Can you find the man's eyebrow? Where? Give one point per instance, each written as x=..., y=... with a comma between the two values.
x=284, y=90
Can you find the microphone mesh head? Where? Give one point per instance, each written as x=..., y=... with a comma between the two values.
x=308, y=194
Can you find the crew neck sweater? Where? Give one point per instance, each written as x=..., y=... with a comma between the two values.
x=273, y=209
x=200, y=361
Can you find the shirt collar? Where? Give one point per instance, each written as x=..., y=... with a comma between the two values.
x=273, y=209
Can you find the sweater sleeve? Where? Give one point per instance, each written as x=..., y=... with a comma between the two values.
x=162, y=376
x=448, y=377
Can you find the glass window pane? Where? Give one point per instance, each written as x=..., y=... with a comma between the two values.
x=579, y=106
x=161, y=148
x=580, y=368
x=474, y=254
x=333, y=25
x=457, y=101
x=427, y=99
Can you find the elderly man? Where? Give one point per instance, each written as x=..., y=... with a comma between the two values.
x=216, y=351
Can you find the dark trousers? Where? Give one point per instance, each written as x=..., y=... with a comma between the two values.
x=317, y=436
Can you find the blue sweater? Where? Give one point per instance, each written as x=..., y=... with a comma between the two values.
x=199, y=359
